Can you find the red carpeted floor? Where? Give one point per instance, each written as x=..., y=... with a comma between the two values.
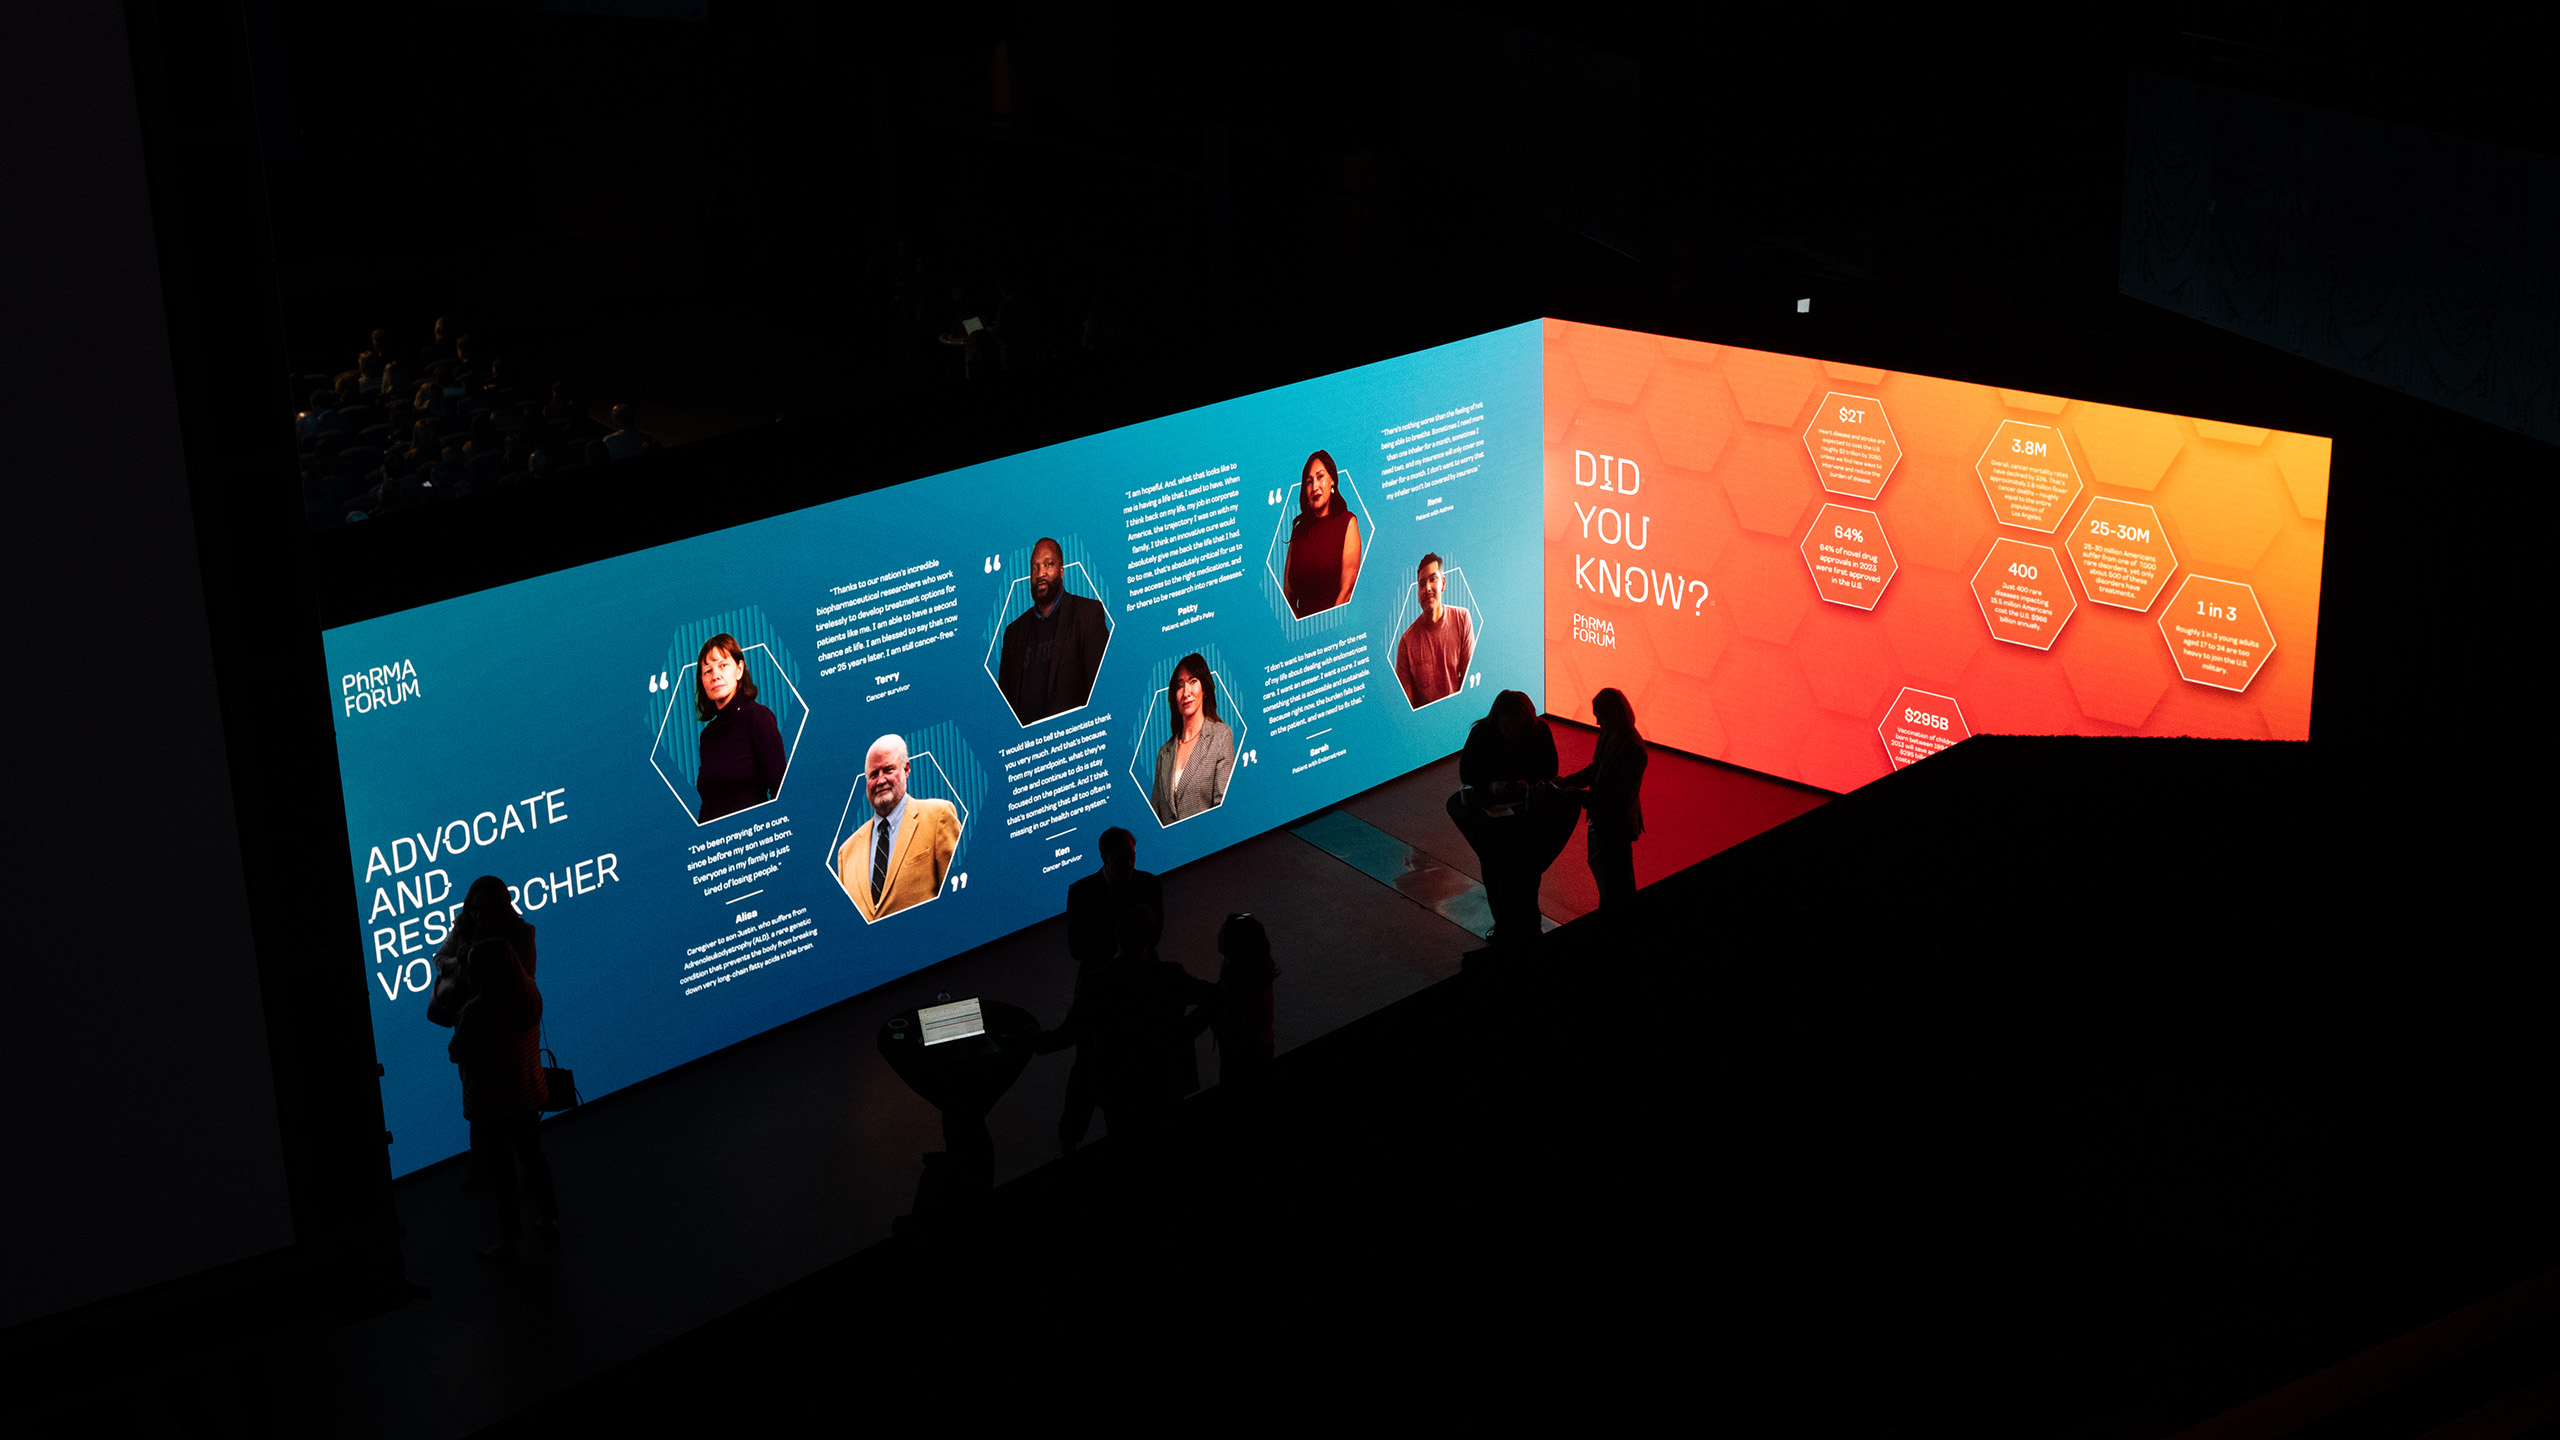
x=1693, y=808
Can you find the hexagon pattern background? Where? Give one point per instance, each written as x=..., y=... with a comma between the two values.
x=1759, y=673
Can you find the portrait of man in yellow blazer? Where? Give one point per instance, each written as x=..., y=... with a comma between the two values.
x=900, y=855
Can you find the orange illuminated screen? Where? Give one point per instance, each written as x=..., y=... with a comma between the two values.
x=1824, y=572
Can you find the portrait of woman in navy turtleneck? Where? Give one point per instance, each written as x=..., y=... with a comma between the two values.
x=742, y=756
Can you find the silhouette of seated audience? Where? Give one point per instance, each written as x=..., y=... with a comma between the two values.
x=627, y=438
x=456, y=419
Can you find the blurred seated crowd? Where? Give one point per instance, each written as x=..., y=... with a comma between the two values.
x=399, y=431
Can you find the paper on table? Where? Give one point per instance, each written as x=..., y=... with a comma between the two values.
x=956, y=1021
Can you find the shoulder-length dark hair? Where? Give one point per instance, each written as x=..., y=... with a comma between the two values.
x=1246, y=949
x=488, y=913
x=1341, y=498
x=1192, y=664
x=703, y=709
x=1611, y=709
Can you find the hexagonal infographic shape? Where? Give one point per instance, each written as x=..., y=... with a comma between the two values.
x=1459, y=595
x=1925, y=646
x=1758, y=589
x=1696, y=424
x=1852, y=444
x=2230, y=434
x=2022, y=593
x=1764, y=728
x=1763, y=480
x=2028, y=474
x=1688, y=703
x=1616, y=372
x=2217, y=633
x=2030, y=400
x=2129, y=449
x=1158, y=728
x=2122, y=554
x=1770, y=389
x=2230, y=508
x=1275, y=556
x=1848, y=556
x=1919, y=724
x=995, y=643
x=850, y=824
x=1846, y=663
x=2117, y=684
x=682, y=686
x=2303, y=460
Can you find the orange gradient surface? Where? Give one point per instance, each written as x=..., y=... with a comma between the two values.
x=1684, y=483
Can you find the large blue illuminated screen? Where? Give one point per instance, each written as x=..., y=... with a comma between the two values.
x=695, y=883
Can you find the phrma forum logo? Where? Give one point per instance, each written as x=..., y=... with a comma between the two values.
x=362, y=692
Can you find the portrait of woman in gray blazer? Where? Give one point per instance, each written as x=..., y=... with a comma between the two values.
x=1192, y=765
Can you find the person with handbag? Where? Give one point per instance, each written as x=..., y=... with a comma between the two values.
x=497, y=1045
x=487, y=913
x=1241, y=1020
x=1611, y=791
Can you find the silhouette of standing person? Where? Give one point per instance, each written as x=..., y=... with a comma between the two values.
x=1504, y=808
x=488, y=913
x=1611, y=787
x=1096, y=902
x=497, y=1043
x=1242, y=1023
x=1129, y=1023
x=1094, y=907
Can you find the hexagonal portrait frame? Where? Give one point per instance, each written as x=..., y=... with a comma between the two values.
x=1142, y=762
x=1409, y=610
x=844, y=820
x=1279, y=547
x=995, y=643
x=790, y=752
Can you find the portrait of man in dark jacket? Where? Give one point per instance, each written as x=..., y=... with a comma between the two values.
x=1052, y=650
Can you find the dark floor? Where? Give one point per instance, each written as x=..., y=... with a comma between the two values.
x=692, y=1194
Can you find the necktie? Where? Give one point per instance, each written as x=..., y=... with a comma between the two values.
x=879, y=856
